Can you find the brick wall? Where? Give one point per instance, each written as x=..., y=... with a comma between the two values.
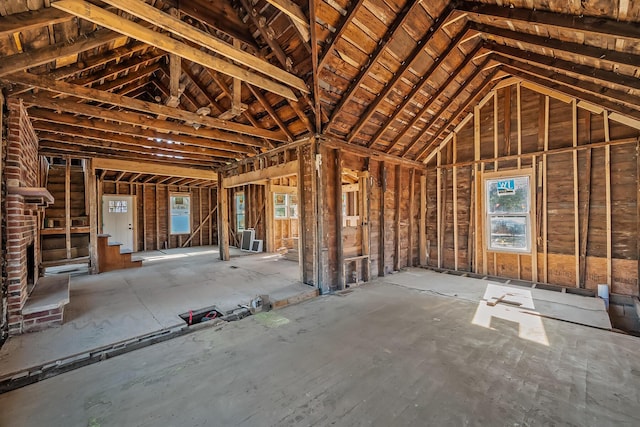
x=21, y=170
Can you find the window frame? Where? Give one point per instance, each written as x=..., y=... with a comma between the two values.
x=490, y=177
x=173, y=195
x=238, y=212
x=287, y=204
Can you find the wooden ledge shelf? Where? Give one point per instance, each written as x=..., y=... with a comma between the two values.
x=61, y=230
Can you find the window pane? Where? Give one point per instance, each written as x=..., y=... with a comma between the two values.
x=508, y=232
x=240, y=203
x=281, y=212
x=180, y=214
x=293, y=211
x=508, y=196
x=240, y=221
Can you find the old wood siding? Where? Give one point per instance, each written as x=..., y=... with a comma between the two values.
x=577, y=243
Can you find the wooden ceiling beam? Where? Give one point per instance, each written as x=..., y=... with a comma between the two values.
x=219, y=15
x=129, y=28
x=44, y=55
x=196, y=81
x=621, y=81
x=283, y=59
x=255, y=16
x=31, y=20
x=140, y=120
x=57, y=149
x=81, y=145
x=597, y=26
x=573, y=88
x=112, y=85
x=141, y=106
x=373, y=58
x=179, y=28
x=274, y=115
x=119, y=146
x=480, y=91
x=165, y=145
x=443, y=109
x=118, y=68
x=295, y=13
x=130, y=50
x=424, y=80
x=39, y=114
x=338, y=33
x=226, y=90
x=435, y=96
x=605, y=56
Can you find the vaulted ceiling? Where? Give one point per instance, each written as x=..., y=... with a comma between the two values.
x=205, y=82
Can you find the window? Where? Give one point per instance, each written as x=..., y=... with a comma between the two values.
x=117, y=206
x=240, y=211
x=508, y=206
x=180, y=213
x=285, y=206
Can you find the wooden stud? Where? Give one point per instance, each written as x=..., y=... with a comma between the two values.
x=519, y=120
x=338, y=205
x=584, y=233
x=412, y=189
x=200, y=215
x=477, y=183
x=398, y=217
x=455, y=203
x=364, y=222
x=422, y=240
x=545, y=190
x=495, y=131
x=67, y=205
x=157, y=202
x=607, y=181
x=439, y=219
x=144, y=219
x=381, y=245
x=481, y=222
x=302, y=217
x=91, y=189
x=576, y=207
x=534, y=225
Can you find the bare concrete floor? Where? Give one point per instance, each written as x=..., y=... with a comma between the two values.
x=114, y=306
x=382, y=355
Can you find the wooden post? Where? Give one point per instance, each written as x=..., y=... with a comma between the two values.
x=209, y=197
x=318, y=240
x=144, y=219
x=99, y=202
x=381, y=245
x=364, y=222
x=584, y=232
x=495, y=130
x=412, y=189
x=67, y=205
x=607, y=181
x=398, y=194
x=338, y=206
x=544, y=192
x=576, y=207
x=534, y=224
x=91, y=189
x=158, y=247
x=223, y=220
x=269, y=221
x=302, y=234
x=519, y=121
x=479, y=245
x=455, y=202
x=422, y=240
x=439, y=219
x=200, y=214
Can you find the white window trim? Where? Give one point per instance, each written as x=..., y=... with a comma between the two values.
x=185, y=195
x=512, y=173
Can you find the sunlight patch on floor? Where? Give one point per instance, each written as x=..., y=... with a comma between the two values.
x=513, y=305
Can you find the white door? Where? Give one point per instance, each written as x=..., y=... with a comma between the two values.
x=118, y=219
